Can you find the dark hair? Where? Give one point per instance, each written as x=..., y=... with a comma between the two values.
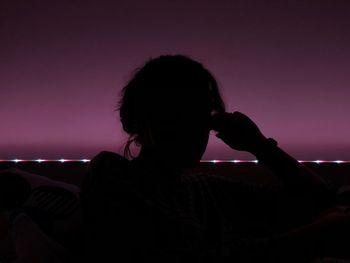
x=161, y=81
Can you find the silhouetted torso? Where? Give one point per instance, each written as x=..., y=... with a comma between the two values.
x=197, y=218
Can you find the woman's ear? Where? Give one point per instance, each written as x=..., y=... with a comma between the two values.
x=148, y=134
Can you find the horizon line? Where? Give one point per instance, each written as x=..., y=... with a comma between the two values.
x=63, y=160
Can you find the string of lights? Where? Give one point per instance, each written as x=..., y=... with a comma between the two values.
x=202, y=161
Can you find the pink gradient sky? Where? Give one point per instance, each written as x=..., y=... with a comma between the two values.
x=283, y=63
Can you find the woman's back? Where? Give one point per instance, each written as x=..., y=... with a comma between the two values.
x=128, y=217
x=125, y=218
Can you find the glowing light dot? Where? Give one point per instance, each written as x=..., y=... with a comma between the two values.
x=40, y=160
x=318, y=161
x=85, y=160
x=16, y=160
x=62, y=160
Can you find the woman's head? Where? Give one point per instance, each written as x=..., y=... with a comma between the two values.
x=166, y=107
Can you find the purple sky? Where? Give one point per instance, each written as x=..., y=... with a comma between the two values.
x=63, y=63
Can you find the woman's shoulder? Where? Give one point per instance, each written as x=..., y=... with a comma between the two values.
x=106, y=162
x=106, y=169
x=107, y=157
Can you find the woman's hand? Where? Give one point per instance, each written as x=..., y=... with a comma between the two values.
x=238, y=131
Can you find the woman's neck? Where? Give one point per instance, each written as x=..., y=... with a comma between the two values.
x=156, y=175
x=158, y=163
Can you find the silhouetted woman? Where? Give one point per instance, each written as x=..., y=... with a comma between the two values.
x=151, y=208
